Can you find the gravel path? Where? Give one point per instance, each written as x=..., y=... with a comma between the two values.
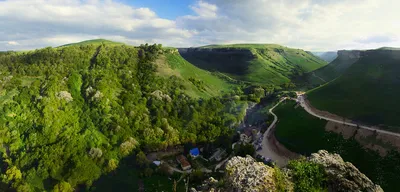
x=308, y=108
x=269, y=143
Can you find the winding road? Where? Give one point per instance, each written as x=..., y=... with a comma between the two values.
x=267, y=148
x=371, y=128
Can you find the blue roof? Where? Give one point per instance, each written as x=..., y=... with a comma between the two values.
x=194, y=152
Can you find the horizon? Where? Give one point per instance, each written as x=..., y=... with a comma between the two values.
x=312, y=25
x=56, y=46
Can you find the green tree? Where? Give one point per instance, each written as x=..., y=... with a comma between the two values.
x=63, y=187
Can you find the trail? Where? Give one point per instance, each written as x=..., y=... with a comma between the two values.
x=307, y=108
x=318, y=77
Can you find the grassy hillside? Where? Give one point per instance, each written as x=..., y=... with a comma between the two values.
x=94, y=42
x=198, y=82
x=305, y=134
x=368, y=91
x=331, y=71
x=262, y=64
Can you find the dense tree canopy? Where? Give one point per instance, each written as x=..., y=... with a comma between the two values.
x=70, y=114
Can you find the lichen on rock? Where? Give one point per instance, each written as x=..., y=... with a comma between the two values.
x=248, y=175
x=343, y=176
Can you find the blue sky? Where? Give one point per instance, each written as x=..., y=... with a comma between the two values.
x=169, y=9
x=314, y=25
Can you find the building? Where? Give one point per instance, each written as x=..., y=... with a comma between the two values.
x=157, y=163
x=194, y=152
x=185, y=165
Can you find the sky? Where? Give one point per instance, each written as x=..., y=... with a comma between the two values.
x=314, y=25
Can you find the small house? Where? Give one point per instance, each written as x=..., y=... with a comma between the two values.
x=185, y=165
x=157, y=163
x=194, y=152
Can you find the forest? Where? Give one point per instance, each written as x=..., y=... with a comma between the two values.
x=70, y=114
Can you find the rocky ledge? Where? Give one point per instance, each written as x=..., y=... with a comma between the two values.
x=245, y=174
x=343, y=176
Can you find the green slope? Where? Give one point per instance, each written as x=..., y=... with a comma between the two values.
x=71, y=114
x=331, y=71
x=198, y=82
x=304, y=134
x=94, y=42
x=368, y=91
x=260, y=64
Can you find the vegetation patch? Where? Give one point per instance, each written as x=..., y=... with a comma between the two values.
x=367, y=92
x=305, y=134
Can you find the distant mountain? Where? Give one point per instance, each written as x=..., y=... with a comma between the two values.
x=367, y=91
x=263, y=64
x=326, y=56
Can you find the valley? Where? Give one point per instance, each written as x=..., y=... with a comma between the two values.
x=126, y=116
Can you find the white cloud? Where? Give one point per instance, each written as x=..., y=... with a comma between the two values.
x=12, y=43
x=204, y=9
x=307, y=24
x=50, y=23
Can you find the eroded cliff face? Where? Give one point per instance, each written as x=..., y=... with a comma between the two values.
x=349, y=54
x=226, y=60
x=247, y=175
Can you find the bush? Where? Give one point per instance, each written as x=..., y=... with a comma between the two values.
x=308, y=176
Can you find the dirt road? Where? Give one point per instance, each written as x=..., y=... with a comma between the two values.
x=308, y=108
x=270, y=146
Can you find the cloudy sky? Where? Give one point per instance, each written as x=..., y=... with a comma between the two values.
x=316, y=25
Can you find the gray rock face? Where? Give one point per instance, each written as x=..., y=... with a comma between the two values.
x=343, y=176
x=247, y=175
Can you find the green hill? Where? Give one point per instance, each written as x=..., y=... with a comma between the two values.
x=198, y=82
x=94, y=42
x=262, y=64
x=331, y=71
x=71, y=114
x=367, y=91
x=304, y=134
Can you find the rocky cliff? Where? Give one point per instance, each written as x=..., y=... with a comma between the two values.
x=349, y=54
x=245, y=174
x=343, y=176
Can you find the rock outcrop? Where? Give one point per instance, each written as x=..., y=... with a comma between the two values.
x=246, y=174
x=343, y=176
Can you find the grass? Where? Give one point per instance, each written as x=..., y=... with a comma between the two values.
x=330, y=72
x=94, y=42
x=367, y=92
x=174, y=64
x=305, y=134
x=260, y=64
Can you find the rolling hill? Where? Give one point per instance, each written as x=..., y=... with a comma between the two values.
x=366, y=92
x=331, y=71
x=72, y=114
x=198, y=82
x=93, y=42
x=262, y=64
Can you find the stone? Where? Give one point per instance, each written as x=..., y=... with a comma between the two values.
x=343, y=176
